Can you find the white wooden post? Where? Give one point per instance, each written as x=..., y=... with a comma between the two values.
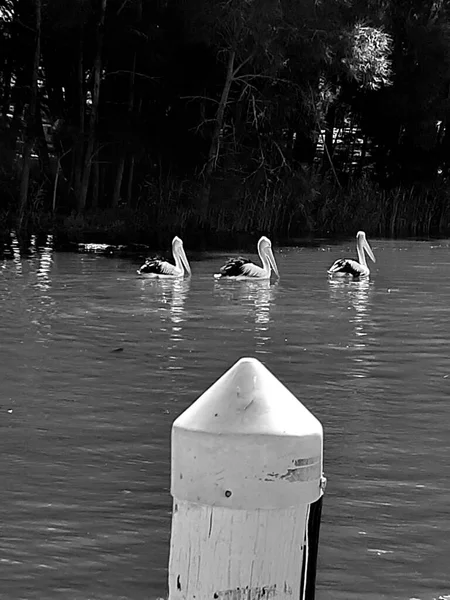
x=246, y=467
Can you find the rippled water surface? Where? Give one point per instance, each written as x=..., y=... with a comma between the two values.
x=96, y=363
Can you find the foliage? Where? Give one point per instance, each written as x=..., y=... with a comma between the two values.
x=302, y=116
x=367, y=56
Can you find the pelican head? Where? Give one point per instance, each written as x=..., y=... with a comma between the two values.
x=362, y=244
x=266, y=253
x=179, y=254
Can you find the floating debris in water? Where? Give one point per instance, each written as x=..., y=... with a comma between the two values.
x=380, y=552
x=96, y=248
x=110, y=249
x=446, y=597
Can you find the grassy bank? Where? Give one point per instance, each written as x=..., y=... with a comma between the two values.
x=236, y=219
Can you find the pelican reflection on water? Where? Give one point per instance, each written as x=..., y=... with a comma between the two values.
x=349, y=266
x=169, y=296
x=356, y=294
x=243, y=269
x=263, y=294
x=253, y=300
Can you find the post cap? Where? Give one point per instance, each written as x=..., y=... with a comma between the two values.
x=247, y=442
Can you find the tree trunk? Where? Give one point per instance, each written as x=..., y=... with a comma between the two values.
x=30, y=132
x=41, y=144
x=11, y=46
x=130, y=182
x=327, y=161
x=55, y=186
x=215, y=140
x=118, y=181
x=139, y=11
x=123, y=149
x=94, y=111
x=79, y=145
x=102, y=171
x=362, y=156
x=7, y=74
x=7, y=85
x=95, y=181
x=17, y=128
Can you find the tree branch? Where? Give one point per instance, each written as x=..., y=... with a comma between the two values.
x=199, y=98
x=256, y=76
x=244, y=62
x=128, y=72
x=122, y=6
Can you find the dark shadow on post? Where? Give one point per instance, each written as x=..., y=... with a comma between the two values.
x=311, y=551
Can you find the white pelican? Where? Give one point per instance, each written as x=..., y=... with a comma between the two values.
x=157, y=267
x=242, y=268
x=357, y=268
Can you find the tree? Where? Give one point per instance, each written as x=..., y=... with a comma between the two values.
x=407, y=121
x=31, y=121
x=244, y=33
x=96, y=77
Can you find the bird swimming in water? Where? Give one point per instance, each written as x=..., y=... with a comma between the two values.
x=242, y=268
x=158, y=267
x=357, y=268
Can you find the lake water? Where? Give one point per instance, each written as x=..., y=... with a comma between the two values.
x=96, y=363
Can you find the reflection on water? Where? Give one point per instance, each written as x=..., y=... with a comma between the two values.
x=33, y=247
x=170, y=294
x=355, y=296
x=256, y=298
x=45, y=264
x=15, y=248
x=169, y=297
x=85, y=424
x=33, y=266
x=41, y=311
x=262, y=294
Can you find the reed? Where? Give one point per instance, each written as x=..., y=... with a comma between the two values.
x=306, y=205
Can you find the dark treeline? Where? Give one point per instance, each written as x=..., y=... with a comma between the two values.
x=132, y=118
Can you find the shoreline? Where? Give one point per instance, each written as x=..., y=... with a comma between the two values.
x=224, y=242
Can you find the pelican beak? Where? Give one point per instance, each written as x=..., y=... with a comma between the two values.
x=184, y=260
x=368, y=249
x=272, y=262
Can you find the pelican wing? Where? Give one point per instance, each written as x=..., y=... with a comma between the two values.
x=158, y=267
x=347, y=265
x=234, y=267
x=252, y=270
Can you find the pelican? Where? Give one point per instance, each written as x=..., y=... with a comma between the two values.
x=357, y=268
x=242, y=268
x=157, y=267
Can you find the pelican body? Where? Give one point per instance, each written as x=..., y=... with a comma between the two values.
x=242, y=268
x=158, y=267
x=357, y=268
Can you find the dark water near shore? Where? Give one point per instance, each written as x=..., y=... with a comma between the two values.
x=96, y=364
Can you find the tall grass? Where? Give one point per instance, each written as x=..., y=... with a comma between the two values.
x=304, y=205
x=398, y=212
x=317, y=206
